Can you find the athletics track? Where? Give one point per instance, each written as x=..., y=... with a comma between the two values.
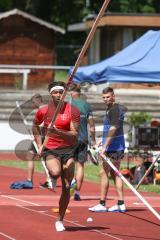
x=27, y=214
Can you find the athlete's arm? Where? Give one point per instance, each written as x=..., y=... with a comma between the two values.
x=91, y=125
x=114, y=123
x=36, y=129
x=37, y=134
x=110, y=135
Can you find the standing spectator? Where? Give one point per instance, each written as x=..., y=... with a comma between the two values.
x=86, y=122
x=37, y=102
x=113, y=146
x=30, y=154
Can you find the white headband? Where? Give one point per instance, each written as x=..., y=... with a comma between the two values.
x=56, y=88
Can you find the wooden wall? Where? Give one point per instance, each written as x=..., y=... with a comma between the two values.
x=27, y=43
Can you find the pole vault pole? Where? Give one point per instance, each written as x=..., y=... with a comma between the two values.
x=79, y=60
x=130, y=186
x=34, y=144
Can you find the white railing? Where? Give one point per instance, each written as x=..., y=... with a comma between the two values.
x=18, y=66
x=24, y=72
x=26, y=69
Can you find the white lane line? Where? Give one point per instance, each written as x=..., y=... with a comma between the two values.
x=20, y=200
x=138, y=203
x=72, y=222
x=7, y=236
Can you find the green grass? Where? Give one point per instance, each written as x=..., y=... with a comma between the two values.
x=91, y=173
x=10, y=163
x=20, y=164
x=150, y=188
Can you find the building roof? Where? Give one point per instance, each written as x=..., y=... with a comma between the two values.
x=117, y=19
x=32, y=18
x=77, y=27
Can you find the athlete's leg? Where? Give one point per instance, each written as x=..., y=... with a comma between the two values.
x=66, y=176
x=54, y=166
x=30, y=165
x=118, y=181
x=81, y=158
x=79, y=175
x=104, y=171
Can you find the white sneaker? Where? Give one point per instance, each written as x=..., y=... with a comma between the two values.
x=52, y=182
x=117, y=208
x=98, y=208
x=59, y=226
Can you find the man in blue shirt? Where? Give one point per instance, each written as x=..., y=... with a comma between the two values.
x=113, y=146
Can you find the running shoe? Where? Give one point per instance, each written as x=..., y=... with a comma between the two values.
x=27, y=184
x=98, y=208
x=59, y=226
x=52, y=183
x=77, y=197
x=117, y=208
x=44, y=185
x=73, y=187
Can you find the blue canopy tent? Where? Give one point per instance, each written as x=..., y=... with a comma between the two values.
x=137, y=63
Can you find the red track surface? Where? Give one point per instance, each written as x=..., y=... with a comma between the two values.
x=27, y=214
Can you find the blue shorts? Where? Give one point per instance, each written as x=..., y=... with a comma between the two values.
x=81, y=152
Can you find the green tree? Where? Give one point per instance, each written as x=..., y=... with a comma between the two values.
x=139, y=118
x=156, y=5
x=5, y=5
x=65, y=12
x=133, y=6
